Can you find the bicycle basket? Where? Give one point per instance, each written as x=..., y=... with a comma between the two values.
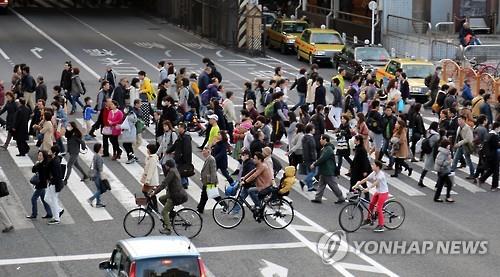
x=141, y=201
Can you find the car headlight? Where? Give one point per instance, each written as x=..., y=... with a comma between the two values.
x=319, y=53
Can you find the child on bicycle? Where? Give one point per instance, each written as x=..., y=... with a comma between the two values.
x=378, y=180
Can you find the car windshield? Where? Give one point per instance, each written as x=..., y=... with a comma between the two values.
x=371, y=54
x=326, y=38
x=294, y=27
x=178, y=266
x=419, y=71
x=269, y=19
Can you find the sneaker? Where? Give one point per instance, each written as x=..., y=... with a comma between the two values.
x=53, y=222
x=130, y=161
x=165, y=231
x=421, y=184
x=135, y=159
x=314, y=181
x=100, y=205
x=366, y=222
x=92, y=135
x=31, y=217
x=312, y=189
x=494, y=189
x=342, y=201
x=90, y=202
x=47, y=216
x=410, y=170
x=378, y=229
x=62, y=154
x=438, y=200
x=87, y=137
x=470, y=177
x=316, y=201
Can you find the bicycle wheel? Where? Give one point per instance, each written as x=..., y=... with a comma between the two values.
x=351, y=217
x=278, y=213
x=138, y=222
x=187, y=222
x=228, y=213
x=394, y=214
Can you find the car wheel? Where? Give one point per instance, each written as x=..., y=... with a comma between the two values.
x=298, y=55
x=283, y=49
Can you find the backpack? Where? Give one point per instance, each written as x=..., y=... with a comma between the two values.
x=83, y=87
x=374, y=125
x=269, y=109
x=427, y=81
x=426, y=145
x=191, y=99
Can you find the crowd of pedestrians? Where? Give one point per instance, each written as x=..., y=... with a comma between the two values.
x=365, y=121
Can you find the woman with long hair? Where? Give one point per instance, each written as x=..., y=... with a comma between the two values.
x=399, y=141
x=75, y=143
x=362, y=129
x=41, y=169
x=360, y=167
x=220, y=154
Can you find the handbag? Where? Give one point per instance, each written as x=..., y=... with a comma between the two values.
x=185, y=170
x=107, y=131
x=35, y=180
x=3, y=189
x=105, y=185
x=212, y=191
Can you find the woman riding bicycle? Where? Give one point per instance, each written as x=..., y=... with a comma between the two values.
x=175, y=194
x=378, y=180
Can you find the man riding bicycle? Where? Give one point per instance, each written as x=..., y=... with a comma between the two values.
x=263, y=180
x=378, y=180
x=175, y=194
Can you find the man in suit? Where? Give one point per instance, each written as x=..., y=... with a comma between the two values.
x=20, y=128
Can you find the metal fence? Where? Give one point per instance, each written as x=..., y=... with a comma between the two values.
x=482, y=53
x=403, y=25
x=445, y=50
x=215, y=20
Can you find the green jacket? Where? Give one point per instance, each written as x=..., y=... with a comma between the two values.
x=326, y=161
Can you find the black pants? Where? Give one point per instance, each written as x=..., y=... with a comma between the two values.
x=491, y=170
x=116, y=146
x=154, y=201
x=278, y=131
x=226, y=174
x=294, y=159
x=22, y=146
x=97, y=124
x=105, y=144
x=207, y=132
x=443, y=179
x=414, y=140
x=129, y=149
x=400, y=163
x=340, y=156
x=204, y=199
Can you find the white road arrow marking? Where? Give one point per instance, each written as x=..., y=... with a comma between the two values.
x=150, y=45
x=218, y=53
x=35, y=52
x=273, y=270
x=2, y=53
x=167, y=53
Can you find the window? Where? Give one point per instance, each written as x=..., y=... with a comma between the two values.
x=290, y=27
x=326, y=38
x=116, y=259
x=177, y=266
x=419, y=71
x=306, y=36
x=276, y=26
x=371, y=54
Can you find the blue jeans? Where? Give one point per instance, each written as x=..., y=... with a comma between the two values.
x=254, y=194
x=458, y=154
x=97, y=194
x=75, y=100
x=309, y=177
x=302, y=100
x=243, y=195
x=34, y=205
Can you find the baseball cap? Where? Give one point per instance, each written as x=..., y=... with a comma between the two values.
x=213, y=116
x=249, y=102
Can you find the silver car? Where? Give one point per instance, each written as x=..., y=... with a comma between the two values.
x=154, y=256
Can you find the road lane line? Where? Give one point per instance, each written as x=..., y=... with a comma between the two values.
x=104, y=256
x=3, y=54
x=57, y=44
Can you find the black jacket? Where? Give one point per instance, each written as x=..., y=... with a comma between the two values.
x=11, y=109
x=21, y=123
x=66, y=80
x=374, y=121
x=360, y=164
x=388, y=124
x=320, y=96
x=301, y=84
x=41, y=92
x=43, y=174
x=168, y=113
x=74, y=143
x=56, y=175
x=28, y=83
x=309, y=153
x=490, y=147
x=182, y=149
x=119, y=96
x=161, y=93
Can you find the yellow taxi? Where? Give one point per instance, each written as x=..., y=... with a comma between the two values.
x=283, y=32
x=416, y=70
x=318, y=45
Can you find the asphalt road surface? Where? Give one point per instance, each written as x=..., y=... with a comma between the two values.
x=92, y=39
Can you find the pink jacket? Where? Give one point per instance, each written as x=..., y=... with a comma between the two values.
x=115, y=119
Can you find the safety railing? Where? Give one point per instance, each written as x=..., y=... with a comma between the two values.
x=445, y=27
x=405, y=25
x=489, y=52
x=444, y=50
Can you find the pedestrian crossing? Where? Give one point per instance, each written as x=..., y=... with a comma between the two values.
x=125, y=188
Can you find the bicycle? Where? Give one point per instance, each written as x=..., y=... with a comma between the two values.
x=276, y=211
x=351, y=216
x=140, y=221
x=479, y=65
